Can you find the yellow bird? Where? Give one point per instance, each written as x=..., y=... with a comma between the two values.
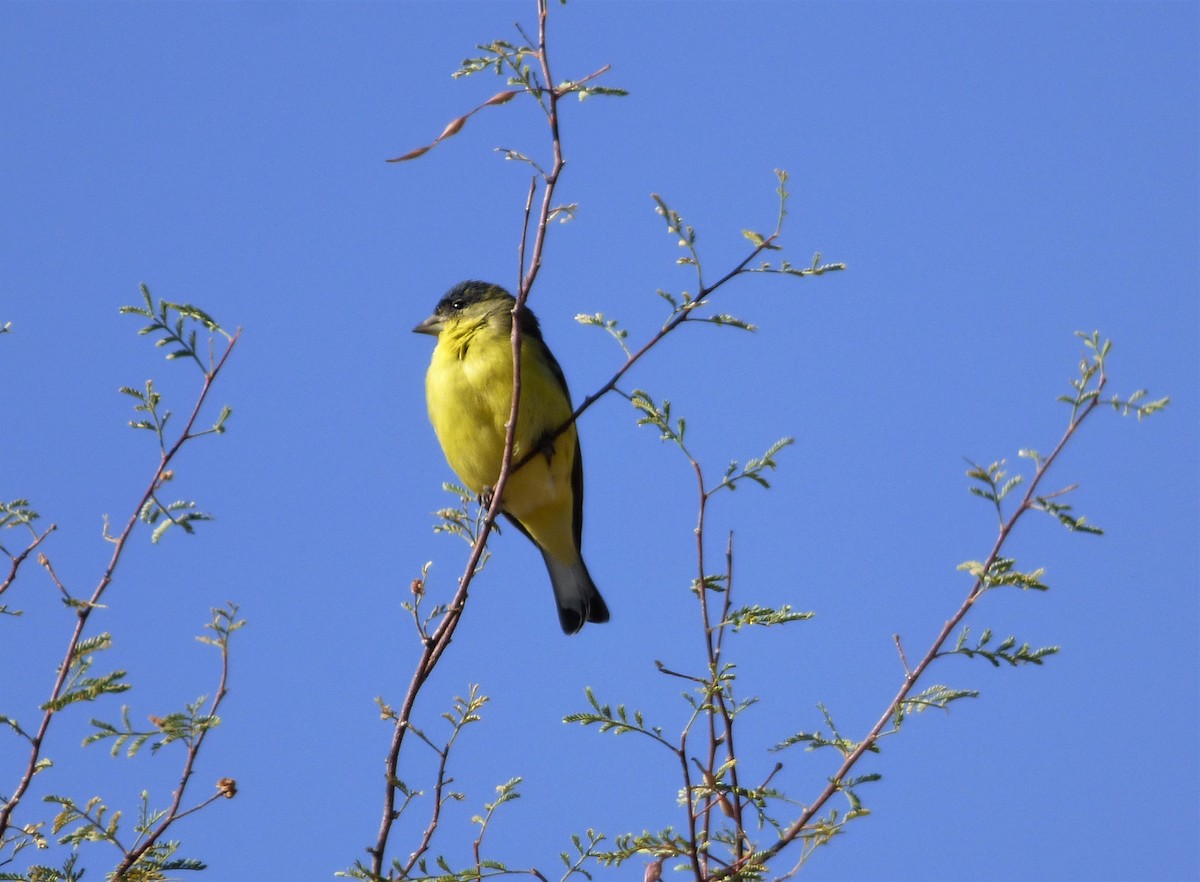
x=469, y=389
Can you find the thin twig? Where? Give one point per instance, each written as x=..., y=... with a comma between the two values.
x=711, y=686
x=49, y=567
x=903, y=660
x=677, y=320
x=723, y=705
x=436, y=810
x=20, y=558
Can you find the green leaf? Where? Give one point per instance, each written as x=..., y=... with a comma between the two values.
x=89, y=689
x=589, y=91
x=765, y=616
x=818, y=740
x=726, y=320
x=936, y=697
x=1006, y=651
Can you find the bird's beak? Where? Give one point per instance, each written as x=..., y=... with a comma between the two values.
x=431, y=326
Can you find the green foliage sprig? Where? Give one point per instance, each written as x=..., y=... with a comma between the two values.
x=14, y=515
x=175, y=322
x=464, y=519
x=685, y=304
x=525, y=67
x=185, y=726
x=17, y=513
x=1005, y=651
x=78, y=685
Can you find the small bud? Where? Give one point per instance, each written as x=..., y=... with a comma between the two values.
x=653, y=871
x=722, y=800
x=452, y=128
x=412, y=154
x=227, y=787
x=156, y=722
x=417, y=587
x=501, y=98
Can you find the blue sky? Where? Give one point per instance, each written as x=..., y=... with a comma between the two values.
x=996, y=176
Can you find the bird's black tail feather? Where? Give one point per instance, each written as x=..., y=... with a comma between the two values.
x=576, y=594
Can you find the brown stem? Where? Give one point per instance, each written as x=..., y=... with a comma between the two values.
x=677, y=320
x=710, y=686
x=20, y=558
x=723, y=705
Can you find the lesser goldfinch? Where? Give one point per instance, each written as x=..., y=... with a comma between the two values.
x=469, y=389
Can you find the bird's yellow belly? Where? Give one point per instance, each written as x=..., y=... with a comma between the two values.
x=469, y=403
x=462, y=407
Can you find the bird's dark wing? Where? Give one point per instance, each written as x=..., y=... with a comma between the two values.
x=531, y=329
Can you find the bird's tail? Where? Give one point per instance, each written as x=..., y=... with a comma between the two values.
x=578, y=599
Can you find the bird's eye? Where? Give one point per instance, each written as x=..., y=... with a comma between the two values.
x=457, y=304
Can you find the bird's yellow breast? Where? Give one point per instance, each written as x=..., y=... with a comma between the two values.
x=469, y=393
